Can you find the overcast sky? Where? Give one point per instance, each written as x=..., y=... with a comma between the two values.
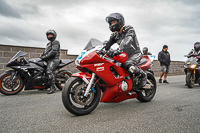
x=157, y=22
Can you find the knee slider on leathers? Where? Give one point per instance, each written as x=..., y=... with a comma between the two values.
x=51, y=77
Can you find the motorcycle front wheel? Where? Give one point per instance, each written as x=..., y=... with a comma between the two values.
x=190, y=79
x=9, y=87
x=74, y=100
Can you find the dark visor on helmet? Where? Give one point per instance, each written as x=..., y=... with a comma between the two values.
x=111, y=17
x=197, y=45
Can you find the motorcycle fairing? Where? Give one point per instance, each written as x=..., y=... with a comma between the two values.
x=145, y=62
x=34, y=64
x=104, y=67
x=111, y=94
x=191, y=60
x=93, y=58
x=13, y=61
x=92, y=46
x=17, y=55
x=114, y=94
x=85, y=76
x=30, y=66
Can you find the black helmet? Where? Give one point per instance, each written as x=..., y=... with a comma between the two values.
x=53, y=33
x=120, y=21
x=145, y=50
x=197, y=46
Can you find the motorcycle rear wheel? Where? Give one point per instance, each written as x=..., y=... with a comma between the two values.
x=8, y=87
x=146, y=95
x=64, y=75
x=73, y=99
x=190, y=79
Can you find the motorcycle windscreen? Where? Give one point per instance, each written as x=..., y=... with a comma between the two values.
x=19, y=54
x=92, y=44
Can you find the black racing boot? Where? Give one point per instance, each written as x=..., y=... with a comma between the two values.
x=51, y=79
x=139, y=72
x=52, y=89
x=143, y=79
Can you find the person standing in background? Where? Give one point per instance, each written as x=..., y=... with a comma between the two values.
x=164, y=59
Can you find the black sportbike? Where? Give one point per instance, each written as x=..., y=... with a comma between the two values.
x=192, y=70
x=30, y=74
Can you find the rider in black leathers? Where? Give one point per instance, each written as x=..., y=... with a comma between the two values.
x=196, y=50
x=125, y=37
x=145, y=51
x=51, y=56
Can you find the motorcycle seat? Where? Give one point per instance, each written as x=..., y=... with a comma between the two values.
x=64, y=62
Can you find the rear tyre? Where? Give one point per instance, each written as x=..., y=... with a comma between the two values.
x=74, y=100
x=190, y=79
x=146, y=95
x=61, y=78
x=8, y=87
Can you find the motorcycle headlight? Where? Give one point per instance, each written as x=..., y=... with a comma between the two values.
x=192, y=66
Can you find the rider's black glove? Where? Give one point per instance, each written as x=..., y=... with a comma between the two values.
x=112, y=53
x=190, y=55
x=105, y=43
x=117, y=52
x=43, y=57
x=102, y=51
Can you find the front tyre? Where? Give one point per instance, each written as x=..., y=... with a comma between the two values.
x=74, y=100
x=9, y=87
x=146, y=95
x=190, y=79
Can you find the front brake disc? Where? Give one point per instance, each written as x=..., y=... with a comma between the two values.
x=79, y=95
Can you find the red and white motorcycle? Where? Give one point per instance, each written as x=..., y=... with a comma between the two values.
x=103, y=79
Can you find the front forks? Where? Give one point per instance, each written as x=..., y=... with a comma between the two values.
x=14, y=76
x=89, y=84
x=194, y=75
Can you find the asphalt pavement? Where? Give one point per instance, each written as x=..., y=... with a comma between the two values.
x=174, y=109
